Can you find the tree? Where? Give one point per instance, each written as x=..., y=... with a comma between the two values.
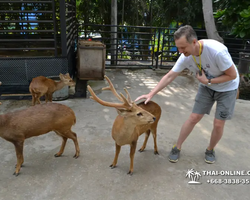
x=212, y=33
x=159, y=13
x=234, y=15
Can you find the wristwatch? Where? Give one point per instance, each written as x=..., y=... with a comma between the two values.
x=209, y=82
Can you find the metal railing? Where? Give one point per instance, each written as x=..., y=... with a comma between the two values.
x=148, y=47
x=134, y=46
x=31, y=28
x=36, y=38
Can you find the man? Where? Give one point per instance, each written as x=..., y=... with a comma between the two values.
x=219, y=80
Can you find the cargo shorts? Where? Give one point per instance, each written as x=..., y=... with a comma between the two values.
x=206, y=97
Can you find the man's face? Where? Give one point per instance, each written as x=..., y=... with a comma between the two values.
x=185, y=47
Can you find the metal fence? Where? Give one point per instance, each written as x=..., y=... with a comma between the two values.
x=133, y=46
x=36, y=38
x=148, y=47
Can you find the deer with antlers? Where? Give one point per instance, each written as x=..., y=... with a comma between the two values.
x=132, y=121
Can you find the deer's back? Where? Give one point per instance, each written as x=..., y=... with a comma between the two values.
x=38, y=119
x=41, y=84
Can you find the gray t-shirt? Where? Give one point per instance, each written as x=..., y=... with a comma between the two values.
x=215, y=59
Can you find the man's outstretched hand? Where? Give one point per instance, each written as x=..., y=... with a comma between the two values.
x=145, y=96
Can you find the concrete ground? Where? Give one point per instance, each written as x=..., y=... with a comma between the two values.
x=44, y=176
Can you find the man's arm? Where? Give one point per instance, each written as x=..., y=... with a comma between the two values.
x=229, y=74
x=167, y=79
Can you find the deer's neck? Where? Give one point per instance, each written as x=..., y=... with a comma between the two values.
x=59, y=85
x=124, y=131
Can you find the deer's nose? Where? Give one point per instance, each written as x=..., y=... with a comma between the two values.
x=154, y=118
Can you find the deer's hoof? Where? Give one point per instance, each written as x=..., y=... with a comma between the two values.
x=141, y=150
x=75, y=156
x=130, y=173
x=57, y=155
x=156, y=153
x=112, y=166
x=16, y=174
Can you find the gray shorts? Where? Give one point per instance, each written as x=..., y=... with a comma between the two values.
x=206, y=97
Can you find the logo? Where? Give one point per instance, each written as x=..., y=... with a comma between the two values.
x=208, y=66
x=194, y=176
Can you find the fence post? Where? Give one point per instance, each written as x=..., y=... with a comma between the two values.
x=54, y=22
x=63, y=28
x=158, y=47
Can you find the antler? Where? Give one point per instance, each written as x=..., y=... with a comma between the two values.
x=112, y=88
x=125, y=103
x=128, y=96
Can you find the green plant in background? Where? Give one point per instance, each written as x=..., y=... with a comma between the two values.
x=234, y=16
x=124, y=55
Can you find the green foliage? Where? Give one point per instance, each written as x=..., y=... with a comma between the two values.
x=234, y=16
x=142, y=12
x=124, y=55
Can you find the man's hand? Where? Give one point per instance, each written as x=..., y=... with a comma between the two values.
x=145, y=96
x=202, y=78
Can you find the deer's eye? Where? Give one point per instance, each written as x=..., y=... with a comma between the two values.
x=139, y=114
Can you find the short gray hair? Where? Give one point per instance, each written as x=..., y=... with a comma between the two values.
x=186, y=31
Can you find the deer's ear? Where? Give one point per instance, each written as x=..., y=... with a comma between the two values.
x=61, y=76
x=121, y=111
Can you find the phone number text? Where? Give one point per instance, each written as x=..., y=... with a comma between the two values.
x=229, y=181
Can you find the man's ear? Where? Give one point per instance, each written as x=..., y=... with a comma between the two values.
x=194, y=41
x=121, y=111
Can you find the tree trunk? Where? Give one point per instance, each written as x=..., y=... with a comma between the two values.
x=212, y=33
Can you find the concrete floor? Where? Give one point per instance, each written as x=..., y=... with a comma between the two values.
x=89, y=177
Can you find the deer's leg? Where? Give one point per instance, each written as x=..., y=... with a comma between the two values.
x=33, y=99
x=62, y=147
x=73, y=136
x=50, y=97
x=46, y=97
x=38, y=96
x=19, y=155
x=155, y=142
x=68, y=134
x=117, y=151
x=145, y=141
x=132, y=154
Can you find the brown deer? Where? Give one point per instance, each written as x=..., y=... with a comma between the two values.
x=132, y=121
x=41, y=85
x=36, y=120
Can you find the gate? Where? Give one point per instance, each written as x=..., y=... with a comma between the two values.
x=141, y=47
x=137, y=47
x=36, y=38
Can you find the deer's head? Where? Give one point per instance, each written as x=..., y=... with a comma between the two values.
x=67, y=80
x=127, y=108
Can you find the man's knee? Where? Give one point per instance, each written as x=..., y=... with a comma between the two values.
x=219, y=124
x=195, y=118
